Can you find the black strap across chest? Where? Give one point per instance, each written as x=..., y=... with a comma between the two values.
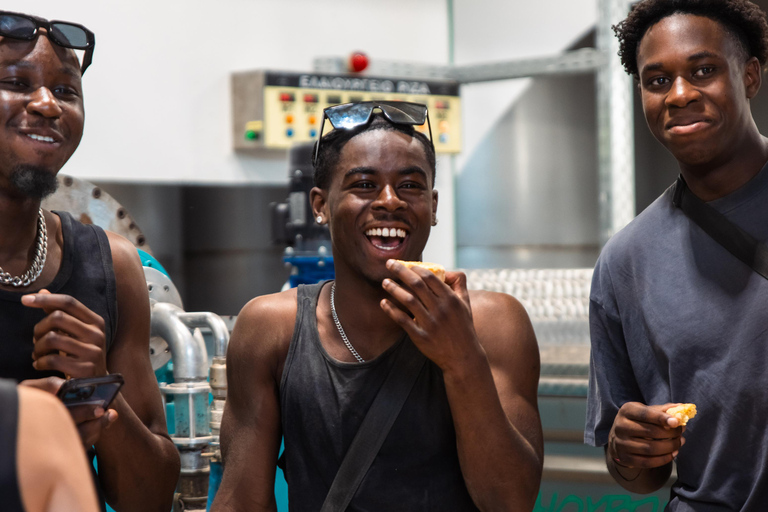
x=374, y=429
x=735, y=240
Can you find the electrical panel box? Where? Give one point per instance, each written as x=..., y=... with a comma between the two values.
x=274, y=109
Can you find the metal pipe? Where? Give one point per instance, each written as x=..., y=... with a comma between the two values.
x=615, y=125
x=190, y=358
x=215, y=324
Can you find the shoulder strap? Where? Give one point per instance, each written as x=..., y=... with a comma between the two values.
x=737, y=241
x=374, y=428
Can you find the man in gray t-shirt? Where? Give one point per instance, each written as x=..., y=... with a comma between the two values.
x=675, y=318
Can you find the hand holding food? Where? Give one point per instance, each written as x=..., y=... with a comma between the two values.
x=682, y=412
x=641, y=437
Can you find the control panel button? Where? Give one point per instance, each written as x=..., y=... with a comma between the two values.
x=253, y=130
x=287, y=97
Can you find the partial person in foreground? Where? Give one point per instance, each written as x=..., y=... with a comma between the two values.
x=676, y=317
x=43, y=468
x=73, y=298
x=306, y=364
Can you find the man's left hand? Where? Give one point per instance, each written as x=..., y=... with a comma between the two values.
x=70, y=339
x=90, y=421
x=440, y=320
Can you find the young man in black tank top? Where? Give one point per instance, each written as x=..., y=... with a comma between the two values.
x=41, y=118
x=380, y=175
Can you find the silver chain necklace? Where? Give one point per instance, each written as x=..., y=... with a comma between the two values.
x=338, y=326
x=41, y=253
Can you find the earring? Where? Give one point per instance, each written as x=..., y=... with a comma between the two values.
x=319, y=219
x=434, y=221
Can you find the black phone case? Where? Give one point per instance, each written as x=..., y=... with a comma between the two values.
x=95, y=391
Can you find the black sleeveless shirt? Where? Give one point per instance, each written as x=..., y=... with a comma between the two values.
x=10, y=494
x=86, y=273
x=323, y=402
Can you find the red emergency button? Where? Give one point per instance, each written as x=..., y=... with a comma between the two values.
x=310, y=98
x=286, y=96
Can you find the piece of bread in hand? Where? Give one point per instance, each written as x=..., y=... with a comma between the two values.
x=682, y=412
x=436, y=269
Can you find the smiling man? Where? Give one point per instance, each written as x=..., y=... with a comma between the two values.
x=675, y=317
x=307, y=363
x=73, y=299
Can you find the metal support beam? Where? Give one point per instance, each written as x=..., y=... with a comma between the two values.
x=584, y=60
x=615, y=126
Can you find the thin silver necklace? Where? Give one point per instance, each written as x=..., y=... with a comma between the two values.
x=38, y=263
x=338, y=326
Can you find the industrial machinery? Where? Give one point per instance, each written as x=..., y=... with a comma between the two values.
x=192, y=384
x=308, y=250
x=193, y=418
x=275, y=109
x=91, y=205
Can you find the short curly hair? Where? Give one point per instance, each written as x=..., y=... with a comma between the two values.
x=742, y=18
x=328, y=157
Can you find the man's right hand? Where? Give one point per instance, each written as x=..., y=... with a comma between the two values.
x=644, y=436
x=90, y=421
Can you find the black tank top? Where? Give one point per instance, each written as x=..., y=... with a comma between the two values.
x=323, y=402
x=86, y=273
x=10, y=495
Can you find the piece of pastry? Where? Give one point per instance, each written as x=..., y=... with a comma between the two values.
x=436, y=269
x=683, y=412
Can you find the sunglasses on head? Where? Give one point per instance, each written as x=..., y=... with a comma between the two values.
x=351, y=115
x=63, y=33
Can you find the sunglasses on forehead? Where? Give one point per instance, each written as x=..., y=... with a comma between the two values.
x=63, y=33
x=351, y=115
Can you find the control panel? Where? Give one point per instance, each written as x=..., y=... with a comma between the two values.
x=274, y=110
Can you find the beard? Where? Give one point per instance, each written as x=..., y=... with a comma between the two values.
x=34, y=182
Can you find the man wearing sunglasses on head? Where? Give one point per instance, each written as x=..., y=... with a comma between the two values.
x=62, y=283
x=310, y=364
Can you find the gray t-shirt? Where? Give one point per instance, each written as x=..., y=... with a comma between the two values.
x=674, y=317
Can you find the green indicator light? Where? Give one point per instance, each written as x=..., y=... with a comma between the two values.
x=251, y=135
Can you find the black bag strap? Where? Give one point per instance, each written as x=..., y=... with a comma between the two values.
x=737, y=241
x=375, y=427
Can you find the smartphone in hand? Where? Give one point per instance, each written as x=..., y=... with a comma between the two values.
x=95, y=391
